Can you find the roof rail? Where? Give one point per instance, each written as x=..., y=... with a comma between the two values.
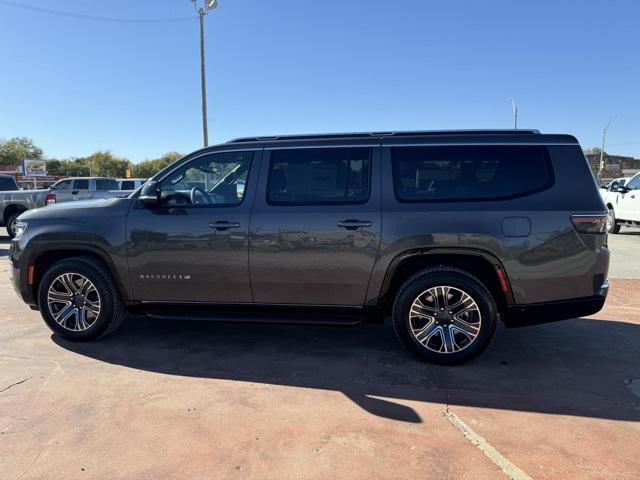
x=385, y=134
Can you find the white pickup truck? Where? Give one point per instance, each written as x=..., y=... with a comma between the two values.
x=623, y=201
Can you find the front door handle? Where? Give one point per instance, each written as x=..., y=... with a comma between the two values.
x=224, y=225
x=352, y=224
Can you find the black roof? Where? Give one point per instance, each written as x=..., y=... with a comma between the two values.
x=417, y=133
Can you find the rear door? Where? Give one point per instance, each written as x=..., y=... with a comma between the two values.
x=80, y=190
x=315, y=226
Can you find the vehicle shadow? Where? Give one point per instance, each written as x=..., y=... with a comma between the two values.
x=577, y=367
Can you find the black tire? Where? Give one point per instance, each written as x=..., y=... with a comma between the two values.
x=612, y=225
x=10, y=224
x=463, y=282
x=111, y=311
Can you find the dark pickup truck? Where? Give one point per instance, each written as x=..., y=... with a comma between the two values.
x=444, y=232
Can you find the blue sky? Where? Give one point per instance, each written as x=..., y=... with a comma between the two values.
x=285, y=66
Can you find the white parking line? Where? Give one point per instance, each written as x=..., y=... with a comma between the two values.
x=494, y=455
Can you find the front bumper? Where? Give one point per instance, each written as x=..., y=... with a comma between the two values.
x=537, y=313
x=18, y=271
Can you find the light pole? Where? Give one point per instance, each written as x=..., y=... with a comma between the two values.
x=207, y=5
x=604, y=136
x=514, y=108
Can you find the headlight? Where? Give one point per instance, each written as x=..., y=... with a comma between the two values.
x=20, y=228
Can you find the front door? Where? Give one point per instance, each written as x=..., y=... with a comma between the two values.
x=193, y=246
x=315, y=228
x=629, y=202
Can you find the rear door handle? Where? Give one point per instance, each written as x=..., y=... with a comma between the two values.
x=352, y=224
x=224, y=225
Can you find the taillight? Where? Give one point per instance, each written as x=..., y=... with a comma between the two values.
x=50, y=199
x=590, y=223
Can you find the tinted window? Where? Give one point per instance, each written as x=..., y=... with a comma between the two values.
x=469, y=172
x=7, y=183
x=127, y=185
x=319, y=176
x=216, y=179
x=63, y=185
x=614, y=185
x=106, y=184
x=81, y=185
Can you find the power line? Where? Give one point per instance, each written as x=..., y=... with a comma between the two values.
x=79, y=16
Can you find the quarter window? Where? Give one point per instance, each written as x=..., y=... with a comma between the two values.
x=479, y=172
x=317, y=176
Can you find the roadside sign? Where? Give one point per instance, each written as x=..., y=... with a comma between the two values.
x=34, y=168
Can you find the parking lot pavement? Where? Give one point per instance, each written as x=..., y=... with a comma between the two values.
x=201, y=400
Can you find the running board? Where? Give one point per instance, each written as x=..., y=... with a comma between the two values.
x=328, y=319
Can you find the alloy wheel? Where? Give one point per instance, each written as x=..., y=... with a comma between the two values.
x=73, y=301
x=445, y=319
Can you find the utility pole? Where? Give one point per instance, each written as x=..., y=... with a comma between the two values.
x=604, y=136
x=514, y=108
x=202, y=11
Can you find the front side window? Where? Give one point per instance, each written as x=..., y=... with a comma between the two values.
x=317, y=176
x=211, y=180
x=634, y=183
x=481, y=172
x=615, y=184
x=127, y=185
x=63, y=185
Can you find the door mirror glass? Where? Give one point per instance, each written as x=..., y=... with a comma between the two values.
x=150, y=194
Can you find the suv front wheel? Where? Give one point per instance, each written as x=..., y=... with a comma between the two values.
x=445, y=316
x=79, y=300
x=612, y=224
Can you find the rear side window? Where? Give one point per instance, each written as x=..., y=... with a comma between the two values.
x=318, y=176
x=81, y=185
x=7, y=183
x=127, y=185
x=106, y=184
x=461, y=173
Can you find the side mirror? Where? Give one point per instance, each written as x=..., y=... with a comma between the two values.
x=623, y=189
x=150, y=194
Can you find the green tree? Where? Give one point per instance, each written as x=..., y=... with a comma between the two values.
x=105, y=164
x=148, y=168
x=13, y=151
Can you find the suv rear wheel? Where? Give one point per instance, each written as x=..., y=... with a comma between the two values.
x=79, y=300
x=445, y=316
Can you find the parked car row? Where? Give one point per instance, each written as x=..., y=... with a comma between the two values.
x=14, y=202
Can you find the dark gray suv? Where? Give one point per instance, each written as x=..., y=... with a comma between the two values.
x=445, y=232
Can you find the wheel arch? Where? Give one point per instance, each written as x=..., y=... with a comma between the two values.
x=44, y=259
x=482, y=265
x=12, y=209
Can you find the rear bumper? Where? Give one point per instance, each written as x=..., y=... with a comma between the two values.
x=537, y=313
